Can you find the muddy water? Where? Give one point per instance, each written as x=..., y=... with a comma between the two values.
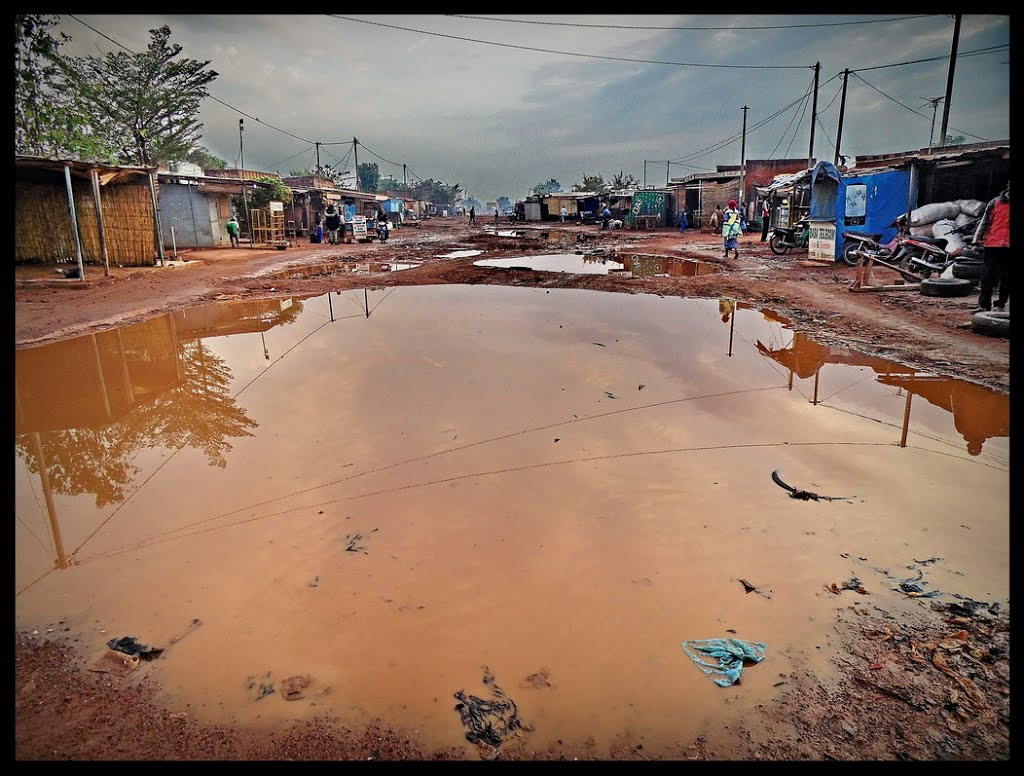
x=388, y=491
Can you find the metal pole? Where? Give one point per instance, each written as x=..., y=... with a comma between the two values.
x=74, y=222
x=931, y=132
x=95, y=175
x=156, y=218
x=174, y=245
x=666, y=171
x=814, y=114
x=241, y=176
x=645, y=173
x=842, y=111
x=949, y=80
x=906, y=419
x=192, y=211
x=366, y=301
x=743, y=161
x=355, y=150
x=318, y=160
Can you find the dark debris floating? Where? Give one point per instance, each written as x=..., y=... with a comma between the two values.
x=488, y=721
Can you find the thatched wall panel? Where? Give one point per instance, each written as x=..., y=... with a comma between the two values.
x=43, y=226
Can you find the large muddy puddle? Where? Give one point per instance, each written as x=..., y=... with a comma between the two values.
x=394, y=494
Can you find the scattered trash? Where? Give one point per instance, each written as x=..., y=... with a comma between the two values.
x=537, y=680
x=115, y=662
x=128, y=645
x=747, y=586
x=489, y=721
x=731, y=654
x=641, y=387
x=191, y=627
x=912, y=590
x=262, y=688
x=352, y=542
x=599, y=344
x=292, y=687
x=804, y=495
x=926, y=562
x=851, y=584
x=609, y=394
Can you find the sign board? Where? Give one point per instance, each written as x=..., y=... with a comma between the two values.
x=821, y=242
x=359, y=227
x=276, y=206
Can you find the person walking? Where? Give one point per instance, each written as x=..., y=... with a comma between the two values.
x=766, y=218
x=606, y=217
x=563, y=213
x=993, y=234
x=233, y=231
x=732, y=228
x=472, y=216
x=332, y=220
x=716, y=218
x=683, y=223
x=496, y=214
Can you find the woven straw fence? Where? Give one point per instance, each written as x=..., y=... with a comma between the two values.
x=43, y=227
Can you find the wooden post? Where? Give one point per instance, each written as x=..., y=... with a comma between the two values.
x=74, y=222
x=156, y=219
x=95, y=175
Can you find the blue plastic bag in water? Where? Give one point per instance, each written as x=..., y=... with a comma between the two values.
x=730, y=655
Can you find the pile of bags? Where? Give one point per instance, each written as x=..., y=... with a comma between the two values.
x=939, y=219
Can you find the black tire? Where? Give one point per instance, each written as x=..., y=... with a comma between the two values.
x=775, y=243
x=946, y=287
x=848, y=255
x=991, y=323
x=968, y=269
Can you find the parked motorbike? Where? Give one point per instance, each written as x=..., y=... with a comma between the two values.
x=927, y=255
x=785, y=239
x=854, y=243
x=382, y=231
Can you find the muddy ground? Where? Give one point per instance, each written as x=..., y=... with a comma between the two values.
x=930, y=685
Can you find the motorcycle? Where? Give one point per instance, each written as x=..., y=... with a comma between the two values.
x=856, y=242
x=382, y=231
x=926, y=255
x=785, y=239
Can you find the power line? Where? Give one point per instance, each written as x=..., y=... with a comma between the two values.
x=570, y=53
x=688, y=27
x=397, y=164
x=802, y=100
x=989, y=50
x=797, y=127
x=916, y=113
x=275, y=164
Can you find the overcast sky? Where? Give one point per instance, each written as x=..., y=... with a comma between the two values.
x=498, y=104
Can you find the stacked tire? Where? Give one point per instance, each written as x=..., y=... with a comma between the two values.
x=991, y=323
x=967, y=269
x=946, y=286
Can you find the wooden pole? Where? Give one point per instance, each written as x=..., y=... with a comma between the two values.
x=95, y=175
x=74, y=222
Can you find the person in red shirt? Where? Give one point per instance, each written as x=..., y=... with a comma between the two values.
x=993, y=234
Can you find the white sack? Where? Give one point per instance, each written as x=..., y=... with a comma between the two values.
x=929, y=214
x=942, y=227
x=971, y=207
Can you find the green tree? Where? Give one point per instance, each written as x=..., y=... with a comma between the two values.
x=592, y=183
x=45, y=123
x=205, y=159
x=952, y=140
x=262, y=196
x=144, y=105
x=437, y=192
x=546, y=188
x=621, y=181
x=390, y=184
x=369, y=176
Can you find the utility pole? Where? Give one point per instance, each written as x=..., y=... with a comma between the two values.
x=743, y=160
x=934, y=102
x=666, y=172
x=842, y=111
x=405, y=178
x=355, y=150
x=645, y=173
x=318, y=173
x=814, y=114
x=241, y=175
x=949, y=80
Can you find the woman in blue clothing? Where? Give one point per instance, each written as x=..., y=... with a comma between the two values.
x=732, y=228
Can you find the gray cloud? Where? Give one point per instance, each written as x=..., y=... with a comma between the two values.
x=499, y=120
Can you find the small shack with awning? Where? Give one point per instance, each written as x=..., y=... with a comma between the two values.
x=68, y=211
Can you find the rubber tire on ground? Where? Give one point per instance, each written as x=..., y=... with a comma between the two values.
x=946, y=287
x=991, y=323
x=850, y=247
x=775, y=243
x=968, y=270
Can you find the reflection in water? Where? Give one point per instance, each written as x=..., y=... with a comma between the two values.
x=979, y=413
x=490, y=445
x=85, y=407
x=557, y=262
x=642, y=265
